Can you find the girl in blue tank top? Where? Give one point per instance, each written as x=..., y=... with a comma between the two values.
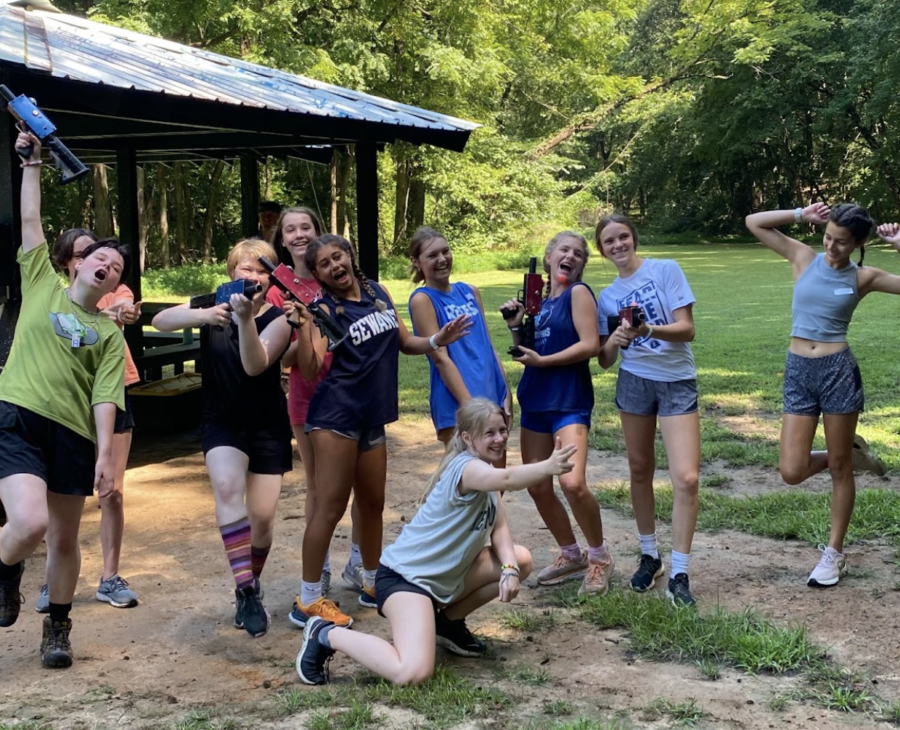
x=821, y=374
x=469, y=368
x=556, y=397
x=349, y=411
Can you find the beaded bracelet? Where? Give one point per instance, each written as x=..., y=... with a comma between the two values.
x=31, y=163
x=514, y=568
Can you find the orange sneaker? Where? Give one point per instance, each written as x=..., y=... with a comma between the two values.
x=323, y=608
x=596, y=580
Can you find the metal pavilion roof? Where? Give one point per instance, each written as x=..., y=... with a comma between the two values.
x=65, y=47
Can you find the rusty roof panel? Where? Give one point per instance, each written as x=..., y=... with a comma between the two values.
x=82, y=50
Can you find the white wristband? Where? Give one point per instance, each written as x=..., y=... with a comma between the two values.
x=433, y=342
x=798, y=215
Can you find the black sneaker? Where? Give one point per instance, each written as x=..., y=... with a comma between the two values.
x=649, y=569
x=56, y=649
x=11, y=599
x=679, y=591
x=312, y=661
x=250, y=614
x=455, y=637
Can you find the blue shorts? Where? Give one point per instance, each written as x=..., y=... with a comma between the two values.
x=830, y=384
x=553, y=421
x=644, y=397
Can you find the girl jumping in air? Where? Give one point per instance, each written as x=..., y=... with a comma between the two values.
x=657, y=381
x=439, y=570
x=556, y=396
x=348, y=413
x=821, y=375
x=296, y=228
x=245, y=432
x=468, y=368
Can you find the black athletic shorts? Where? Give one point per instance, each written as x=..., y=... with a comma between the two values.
x=269, y=450
x=389, y=581
x=124, y=419
x=34, y=444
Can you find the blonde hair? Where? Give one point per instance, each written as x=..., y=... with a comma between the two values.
x=554, y=242
x=471, y=418
x=249, y=249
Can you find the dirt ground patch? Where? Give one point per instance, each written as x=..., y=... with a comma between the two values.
x=177, y=652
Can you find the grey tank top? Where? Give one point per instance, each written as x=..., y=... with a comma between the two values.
x=437, y=547
x=824, y=300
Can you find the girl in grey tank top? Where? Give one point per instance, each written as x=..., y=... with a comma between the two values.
x=440, y=569
x=821, y=375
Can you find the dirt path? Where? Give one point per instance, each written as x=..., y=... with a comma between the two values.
x=177, y=652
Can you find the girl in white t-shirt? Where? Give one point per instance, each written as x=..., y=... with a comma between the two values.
x=439, y=569
x=657, y=381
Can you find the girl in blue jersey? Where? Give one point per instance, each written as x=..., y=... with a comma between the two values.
x=556, y=397
x=440, y=570
x=349, y=411
x=466, y=369
x=821, y=374
x=657, y=380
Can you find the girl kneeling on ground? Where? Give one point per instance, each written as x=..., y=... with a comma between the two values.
x=245, y=433
x=821, y=374
x=440, y=570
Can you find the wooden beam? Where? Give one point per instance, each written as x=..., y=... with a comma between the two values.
x=129, y=234
x=249, y=196
x=367, y=208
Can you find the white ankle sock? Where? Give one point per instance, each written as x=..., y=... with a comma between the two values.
x=310, y=592
x=680, y=562
x=648, y=545
x=369, y=577
x=355, y=557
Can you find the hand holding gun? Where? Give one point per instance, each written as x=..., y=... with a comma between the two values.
x=284, y=278
x=631, y=317
x=530, y=299
x=32, y=120
x=222, y=295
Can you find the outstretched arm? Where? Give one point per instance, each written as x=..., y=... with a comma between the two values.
x=447, y=335
x=479, y=476
x=869, y=279
x=32, y=233
x=422, y=311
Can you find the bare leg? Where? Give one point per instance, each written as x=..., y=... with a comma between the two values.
x=839, y=432
x=263, y=491
x=24, y=498
x=537, y=447
x=681, y=436
x=574, y=485
x=796, y=462
x=640, y=434
x=371, y=475
x=482, y=582
x=227, y=469
x=63, y=555
x=112, y=507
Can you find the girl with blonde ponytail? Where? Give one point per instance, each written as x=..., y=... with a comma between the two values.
x=440, y=570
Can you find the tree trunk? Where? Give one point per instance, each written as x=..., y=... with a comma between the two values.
x=161, y=183
x=335, y=167
x=144, y=204
x=343, y=183
x=211, y=212
x=401, y=203
x=181, y=213
x=416, y=212
x=103, y=220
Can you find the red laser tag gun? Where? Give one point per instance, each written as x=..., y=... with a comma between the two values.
x=531, y=297
x=630, y=316
x=284, y=278
x=32, y=119
x=222, y=295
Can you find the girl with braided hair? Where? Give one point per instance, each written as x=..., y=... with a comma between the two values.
x=349, y=410
x=556, y=397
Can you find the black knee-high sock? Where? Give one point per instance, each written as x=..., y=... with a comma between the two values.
x=8, y=572
x=59, y=611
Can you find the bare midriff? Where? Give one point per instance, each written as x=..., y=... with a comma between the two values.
x=812, y=348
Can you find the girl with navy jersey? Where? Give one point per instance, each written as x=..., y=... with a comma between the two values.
x=466, y=369
x=657, y=381
x=245, y=432
x=556, y=397
x=821, y=374
x=349, y=411
x=440, y=570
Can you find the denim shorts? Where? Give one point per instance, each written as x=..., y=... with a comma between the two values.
x=830, y=384
x=644, y=397
x=367, y=439
x=553, y=421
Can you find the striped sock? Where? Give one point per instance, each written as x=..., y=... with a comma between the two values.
x=258, y=557
x=236, y=537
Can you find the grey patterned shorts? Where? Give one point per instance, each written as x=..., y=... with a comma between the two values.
x=830, y=384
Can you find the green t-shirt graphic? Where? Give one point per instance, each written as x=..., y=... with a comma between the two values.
x=45, y=372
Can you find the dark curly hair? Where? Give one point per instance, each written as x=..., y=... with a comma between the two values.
x=331, y=239
x=855, y=219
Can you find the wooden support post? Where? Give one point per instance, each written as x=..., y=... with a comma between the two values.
x=367, y=208
x=130, y=235
x=10, y=234
x=249, y=196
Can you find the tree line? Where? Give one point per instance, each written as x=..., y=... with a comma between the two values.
x=687, y=114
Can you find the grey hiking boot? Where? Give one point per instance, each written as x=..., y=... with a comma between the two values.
x=42, y=604
x=56, y=649
x=115, y=592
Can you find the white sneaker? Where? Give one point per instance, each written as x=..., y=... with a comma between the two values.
x=828, y=572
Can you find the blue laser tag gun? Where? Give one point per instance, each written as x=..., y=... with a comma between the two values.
x=31, y=119
x=222, y=295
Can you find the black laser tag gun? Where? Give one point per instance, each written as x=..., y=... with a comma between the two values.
x=287, y=281
x=531, y=297
x=630, y=316
x=222, y=295
x=32, y=119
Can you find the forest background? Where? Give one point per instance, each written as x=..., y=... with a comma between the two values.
x=685, y=114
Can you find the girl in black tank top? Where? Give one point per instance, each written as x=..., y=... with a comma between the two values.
x=246, y=433
x=349, y=411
